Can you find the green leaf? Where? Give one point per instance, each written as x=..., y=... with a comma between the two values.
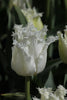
x=19, y=17
x=48, y=8
x=50, y=51
x=30, y=2
x=9, y=18
x=50, y=81
x=53, y=63
x=13, y=94
x=65, y=4
x=65, y=79
x=41, y=78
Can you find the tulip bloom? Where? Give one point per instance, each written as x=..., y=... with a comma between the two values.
x=45, y=93
x=63, y=45
x=60, y=92
x=48, y=94
x=29, y=51
x=33, y=17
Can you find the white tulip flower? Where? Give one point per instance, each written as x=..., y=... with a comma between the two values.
x=63, y=45
x=60, y=92
x=49, y=94
x=29, y=51
x=45, y=92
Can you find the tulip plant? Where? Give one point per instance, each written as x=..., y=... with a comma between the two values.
x=29, y=52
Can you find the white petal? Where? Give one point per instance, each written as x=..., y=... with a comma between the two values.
x=44, y=93
x=51, y=39
x=53, y=97
x=22, y=63
x=36, y=14
x=44, y=31
x=38, y=48
x=17, y=27
x=61, y=91
x=35, y=47
x=30, y=30
x=35, y=98
x=41, y=60
x=18, y=33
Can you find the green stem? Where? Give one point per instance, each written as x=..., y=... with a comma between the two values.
x=27, y=88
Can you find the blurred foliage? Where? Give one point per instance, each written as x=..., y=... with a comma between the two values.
x=55, y=73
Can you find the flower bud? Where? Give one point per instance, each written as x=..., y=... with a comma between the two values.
x=63, y=45
x=33, y=17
